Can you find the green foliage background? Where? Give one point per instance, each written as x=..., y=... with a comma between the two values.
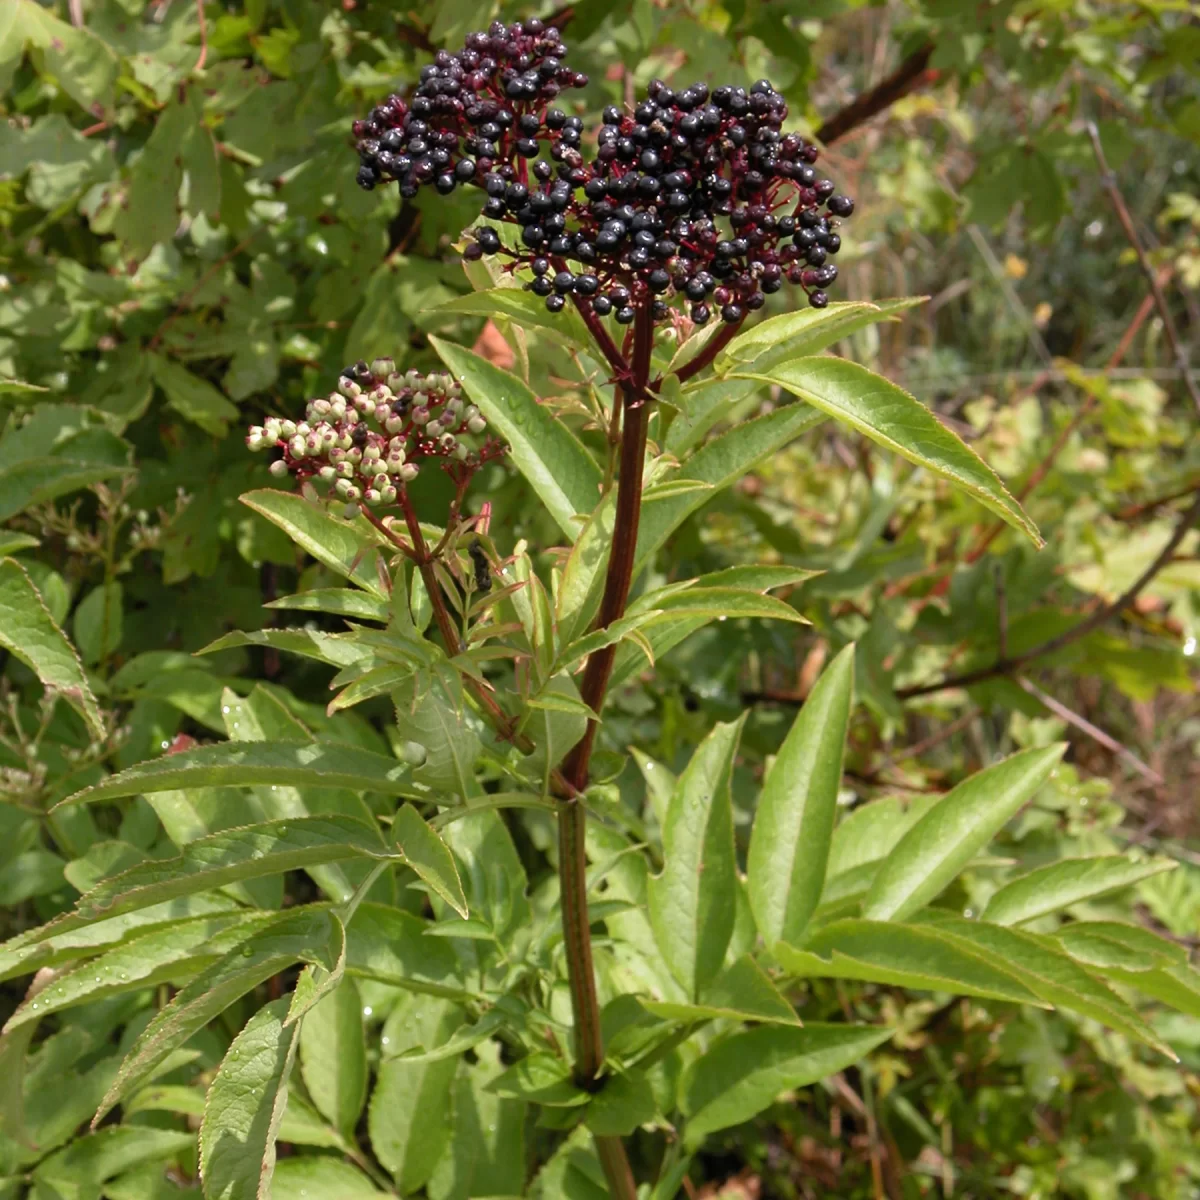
x=183, y=248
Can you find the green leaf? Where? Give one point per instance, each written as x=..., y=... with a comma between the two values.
x=793, y=824
x=1058, y=885
x=408, y=1115
x=391, y=946
x=1054, y=976
x=224, y=858
x=905, y=956
x=310, y=1176
x=336, y=649
x=245, y=1106
x=170, y=952
x=99, y=622
x=622, y=1104
x=805, y=332
x=244, y=764
x=741, y=1075
x=890, y=416
x=1113, y=944
x=720, y=463
x=556, y=465
x=933, y=852
x=80, y=1168
x=582, y=584
x=429, y=856
x=306, y=936
x=347, y=547
x=341, y=602
x=1177, y=986
x=689, y=902
x=49, y=947
x=29, y=632
x=487, y=1147
x=192, y=397
x=540, y=1078
x=523, y=308
x=742, y=992
x=431, y=712
x=714, y=603
x=333, y=1056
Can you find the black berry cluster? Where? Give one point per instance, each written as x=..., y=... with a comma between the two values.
x=693, y=195
x=368, y=439
x=474, y=112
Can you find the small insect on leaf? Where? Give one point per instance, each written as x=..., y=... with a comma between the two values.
x=483, y=569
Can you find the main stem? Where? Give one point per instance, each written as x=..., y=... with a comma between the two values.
x=572, y=819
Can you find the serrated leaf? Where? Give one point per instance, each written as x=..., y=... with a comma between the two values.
x=932, y=853
x=407, y=1117
x=622, y=1104
x=391, y=946
x=245, y=1106
x=333, y=1056
x=306, y=936
x=742, y=992
x=309, y=1176
x=336, y=649
x=96, y=1157
x=192, y=397
x=30, y=633
x=806, y=331
x=342, y=602
x=742, y=1074
x=1053, y=975
x=540, y=1078
x=689, y=902
x=244, y=764
x=892, y=417
x=169, y=953
x=715, y=603
x=1113, y=944
x=1058, y=885
x=429, y=856
x=347, y=547
x=556, y=465
x=905, y=956
x=223, y=858
x=793, y=824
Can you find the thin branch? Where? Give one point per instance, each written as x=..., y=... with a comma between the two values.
x=1010, y=294
x=1160, y=300
x=911, y=74
x=1001, y=610
x=203, y=38
x=1093, y=731
x=1098, y=618
x=695, y=365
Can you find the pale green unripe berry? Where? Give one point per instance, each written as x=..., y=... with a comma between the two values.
x=278, y=468
x=383, y=366
x=349, y=388
x=389, y=494
x=448, y=441
x=321, y=407
x=297, y=446
x=328, y=473
x=342, y=488
x=365, y=405
x=460, y=452
x=350, y=512
x=394, y=424
x=408, y=472
x=420, y=415
x=372, y=497
x=337, y=408
x=380, y=481
x=345, y=469
x=354, y=454
x=476, y=424
x=287, y=429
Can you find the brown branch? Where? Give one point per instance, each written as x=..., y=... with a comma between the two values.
x=1160, y=299
x=911, y=74
x=695, y=365
x=203, y=37
x=1093, y=731
x=1099, y=617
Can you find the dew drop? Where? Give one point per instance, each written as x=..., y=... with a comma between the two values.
x=166, y=745
x=722, y=618
x=968, y=913
x=98, y=980
x=367, y=1010
x=282, y=830
x=124, y=976
x=224, y=708
x=247, y=951
x=35, y=1007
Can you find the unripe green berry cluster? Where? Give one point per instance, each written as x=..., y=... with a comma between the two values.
x=369, y=438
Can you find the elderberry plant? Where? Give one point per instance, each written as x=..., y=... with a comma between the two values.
x=587, y=1031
